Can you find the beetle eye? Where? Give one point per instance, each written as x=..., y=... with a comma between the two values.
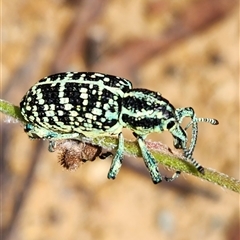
x=170, y=124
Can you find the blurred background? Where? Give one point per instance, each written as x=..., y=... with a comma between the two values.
x=187, y=50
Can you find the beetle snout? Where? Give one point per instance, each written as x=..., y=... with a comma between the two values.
x=180, y=136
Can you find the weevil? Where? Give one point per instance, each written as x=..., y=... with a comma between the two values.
x=73, y=105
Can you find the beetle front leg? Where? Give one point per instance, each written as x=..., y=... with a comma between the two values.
x=174, y=176
x=149, y=160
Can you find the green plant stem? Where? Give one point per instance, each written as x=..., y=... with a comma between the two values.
x=169, y=158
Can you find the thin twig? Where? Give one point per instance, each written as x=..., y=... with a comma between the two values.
x=165, y=156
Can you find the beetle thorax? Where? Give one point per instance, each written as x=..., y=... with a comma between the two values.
x=145, y=111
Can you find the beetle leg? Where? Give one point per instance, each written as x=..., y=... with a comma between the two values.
x=174, y=176
x=149, y=160
x=117, y=160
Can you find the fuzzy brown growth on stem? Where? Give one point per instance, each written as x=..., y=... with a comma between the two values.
x=72, y=153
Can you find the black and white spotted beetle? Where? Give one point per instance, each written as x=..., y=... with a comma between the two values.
x=72, y=105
